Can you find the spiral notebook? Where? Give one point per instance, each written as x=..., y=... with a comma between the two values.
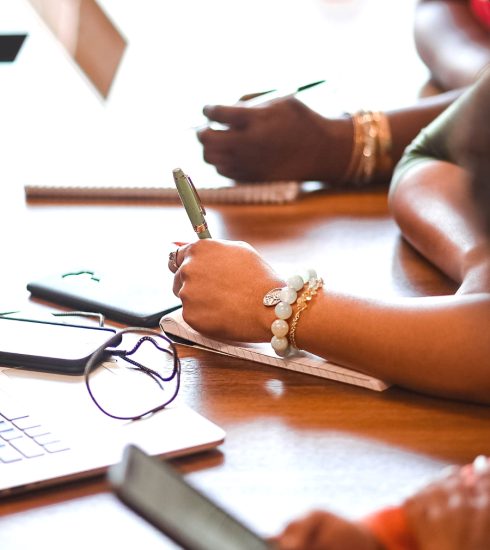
x=175, y=327
x=224, y=192
x=158, y=185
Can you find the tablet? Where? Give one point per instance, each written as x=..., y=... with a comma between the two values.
x=49, y=346
x=120, y=296
x=158, y=493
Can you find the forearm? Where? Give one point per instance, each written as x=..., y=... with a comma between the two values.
x=450, y=41
x=288, y=140
x=404, y=123
x=433, y=205
x=435, y=345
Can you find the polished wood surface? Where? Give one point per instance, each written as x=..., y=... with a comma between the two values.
x=294, y=442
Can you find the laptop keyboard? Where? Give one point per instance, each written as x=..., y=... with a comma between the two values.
x=23, y=436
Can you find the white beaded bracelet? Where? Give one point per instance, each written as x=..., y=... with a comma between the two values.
x=283, y=300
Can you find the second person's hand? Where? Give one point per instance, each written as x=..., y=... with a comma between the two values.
x=279, y=140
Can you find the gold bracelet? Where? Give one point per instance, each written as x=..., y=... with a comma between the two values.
x=302, y=303
x=367, y=163
x=357, y=146
x=372, y=147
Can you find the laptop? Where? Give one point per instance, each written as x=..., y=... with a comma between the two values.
x=51, y=432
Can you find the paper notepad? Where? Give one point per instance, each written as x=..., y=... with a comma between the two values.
x=273, y=192
x=173, y=325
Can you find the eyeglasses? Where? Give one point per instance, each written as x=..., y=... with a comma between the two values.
x=134, y=374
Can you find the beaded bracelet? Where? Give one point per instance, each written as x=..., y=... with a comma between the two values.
x=283, y=300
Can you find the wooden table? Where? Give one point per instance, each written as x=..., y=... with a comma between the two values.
x=294, y=442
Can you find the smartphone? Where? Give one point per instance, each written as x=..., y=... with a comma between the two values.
x=158, y=493
x=48, y=346
x=136, y=300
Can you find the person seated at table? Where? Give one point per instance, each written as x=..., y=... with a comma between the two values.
x=286, y=140
x=444, y=27
x=436, y=345
x=451, y=513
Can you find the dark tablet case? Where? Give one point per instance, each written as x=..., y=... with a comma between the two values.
x=127, y=299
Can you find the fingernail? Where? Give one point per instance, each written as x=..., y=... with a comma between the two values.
x=179, y=243
x=481, y=464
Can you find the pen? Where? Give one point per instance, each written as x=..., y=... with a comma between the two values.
x=192, y=203
x=252, y=100
x=262, y=97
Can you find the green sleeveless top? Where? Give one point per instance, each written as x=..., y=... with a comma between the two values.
x=461, y=134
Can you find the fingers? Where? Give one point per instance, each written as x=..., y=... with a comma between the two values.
x=173, y=263
x=453, y=511
x=175, y=260
x=177, y=284
x=176, y=257
x=300, y=534
x=481, y=465
x=479, y=535
x=236, y=117
x=221, y=150
x=320, y=530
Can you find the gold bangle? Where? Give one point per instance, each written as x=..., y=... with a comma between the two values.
x=302, y=304
x=367, y=162
x=357, y=146
x=372, y=147
x=384, y=162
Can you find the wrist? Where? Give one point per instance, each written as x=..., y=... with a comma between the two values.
x=289, y=302
x=265, y=315
x=339, y=136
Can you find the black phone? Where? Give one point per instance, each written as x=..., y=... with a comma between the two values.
x=158, y=493
x=137, y=300
x=49, y=346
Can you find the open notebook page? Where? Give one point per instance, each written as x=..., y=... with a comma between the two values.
x=174, y=325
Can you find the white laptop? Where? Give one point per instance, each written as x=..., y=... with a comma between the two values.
x=51, y=432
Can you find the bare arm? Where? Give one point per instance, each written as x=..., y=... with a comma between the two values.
x=451, y=42
x=432, y=199
x=435, y=345
x=286, y=140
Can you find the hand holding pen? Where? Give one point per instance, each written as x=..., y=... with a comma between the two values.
x=276, y=141
x=257, y=99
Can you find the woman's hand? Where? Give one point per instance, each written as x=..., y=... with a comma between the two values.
x=453, y=513
x=324, y=531
x=221, y=285
x=279, y=140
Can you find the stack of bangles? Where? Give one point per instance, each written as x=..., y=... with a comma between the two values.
x=298, y=291
x=371, y=148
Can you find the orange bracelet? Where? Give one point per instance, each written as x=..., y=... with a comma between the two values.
x=390, y=527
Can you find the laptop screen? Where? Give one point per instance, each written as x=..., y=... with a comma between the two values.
x=89, y=36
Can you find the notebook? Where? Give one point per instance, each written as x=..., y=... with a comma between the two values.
x=51, y=432
x=221, y=193
x=185, y=152
x=175, y=327
x=106, y=53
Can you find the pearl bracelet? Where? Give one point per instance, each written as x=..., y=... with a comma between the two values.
x=283, y=300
